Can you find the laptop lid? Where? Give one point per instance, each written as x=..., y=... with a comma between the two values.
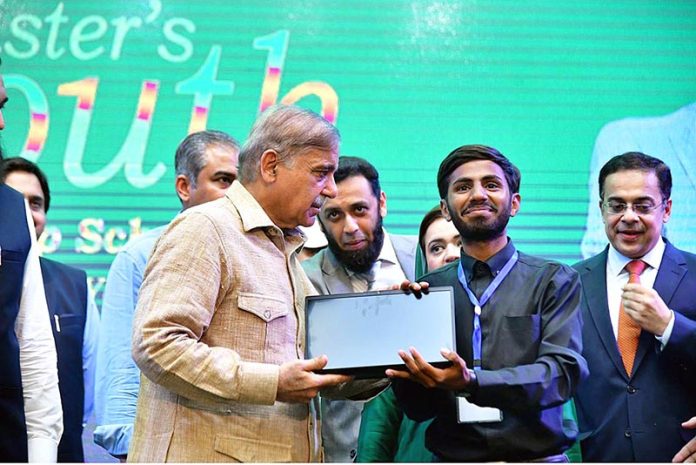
x=361, y=333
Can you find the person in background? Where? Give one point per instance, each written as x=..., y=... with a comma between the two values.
x=31, y=417
x=439, y=241
x=206, y=165
x=361, y=256
x=386, y=433
x=74, y=315
x=639, y=315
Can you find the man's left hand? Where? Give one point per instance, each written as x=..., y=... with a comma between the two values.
x=453, y=378
x=646, y=307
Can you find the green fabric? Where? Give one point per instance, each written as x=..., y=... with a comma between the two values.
x=388, y=435
x=570, y=423
x=421, y=265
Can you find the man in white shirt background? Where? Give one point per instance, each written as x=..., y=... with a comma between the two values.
x=73, y=313
x=31, y=417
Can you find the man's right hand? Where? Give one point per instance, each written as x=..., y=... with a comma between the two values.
x=415, y=288
x=688, y=452
x=453, y=378
x=298, y=383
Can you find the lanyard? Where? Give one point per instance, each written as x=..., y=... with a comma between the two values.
x=476, y=336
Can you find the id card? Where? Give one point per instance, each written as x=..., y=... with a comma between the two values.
x=472, y=413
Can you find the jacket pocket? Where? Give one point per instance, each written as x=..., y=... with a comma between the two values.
x=263, y=306
x=252, y=450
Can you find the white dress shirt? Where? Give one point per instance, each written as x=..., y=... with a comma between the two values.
x=38, y=362
x=617, y=278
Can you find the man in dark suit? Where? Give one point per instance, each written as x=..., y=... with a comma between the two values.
x=31, y=418
x=73, y=313
x=639, y=314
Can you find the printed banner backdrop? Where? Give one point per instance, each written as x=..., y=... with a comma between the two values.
x=101, y=93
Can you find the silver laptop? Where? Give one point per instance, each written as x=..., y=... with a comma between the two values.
x=362, y=333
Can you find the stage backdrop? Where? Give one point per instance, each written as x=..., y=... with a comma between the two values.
x=101, y=93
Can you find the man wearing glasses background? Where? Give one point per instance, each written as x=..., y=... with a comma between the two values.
x=639, y=314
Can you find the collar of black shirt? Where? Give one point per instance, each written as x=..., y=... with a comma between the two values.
x=495, y=263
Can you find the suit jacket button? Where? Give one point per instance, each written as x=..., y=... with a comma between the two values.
x=627, y=434
x=631, y=389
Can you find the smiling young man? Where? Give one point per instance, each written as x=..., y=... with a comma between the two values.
x=518, y=330
x=361, y=256
x=639, y=316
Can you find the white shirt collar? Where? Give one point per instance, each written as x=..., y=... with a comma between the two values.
x=387, y=254
x=616, y=262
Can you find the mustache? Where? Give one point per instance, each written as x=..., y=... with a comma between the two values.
x=474, y=206
x=318, y=202
x=354, y=238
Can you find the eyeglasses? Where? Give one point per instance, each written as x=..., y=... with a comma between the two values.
x=613, y=207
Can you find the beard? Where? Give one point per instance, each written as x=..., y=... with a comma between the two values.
x=359, y=261
x=480, y=229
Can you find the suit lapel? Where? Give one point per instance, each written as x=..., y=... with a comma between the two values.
x=335, y=276
x=671, y=272
x=405, y=255
x=594, y=284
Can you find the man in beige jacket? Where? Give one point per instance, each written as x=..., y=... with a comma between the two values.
x=219, y=327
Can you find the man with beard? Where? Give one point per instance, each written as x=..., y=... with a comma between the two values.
x=360, y=257
x=518, y=330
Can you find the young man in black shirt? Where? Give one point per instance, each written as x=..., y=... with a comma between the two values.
x=518, y=330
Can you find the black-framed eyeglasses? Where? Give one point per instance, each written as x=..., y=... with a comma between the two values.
x=614, y=207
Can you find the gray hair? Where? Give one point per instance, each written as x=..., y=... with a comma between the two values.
x=190, y=155
x=289, y=131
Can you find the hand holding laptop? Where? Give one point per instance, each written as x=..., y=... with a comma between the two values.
x=453, y=378
x=297, y=381
x=416, y=288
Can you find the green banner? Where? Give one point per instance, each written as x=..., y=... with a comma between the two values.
x=101, y=93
